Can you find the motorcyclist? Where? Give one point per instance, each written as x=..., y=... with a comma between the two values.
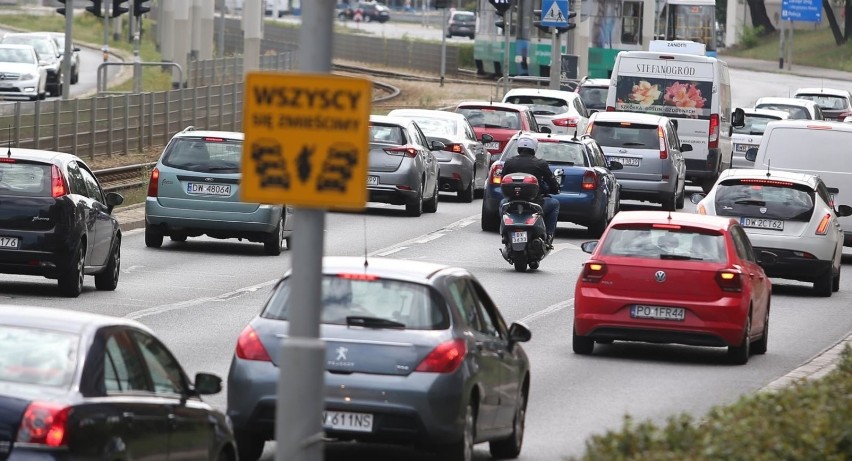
x=527, y=162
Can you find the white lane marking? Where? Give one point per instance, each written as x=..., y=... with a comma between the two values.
x=553, y=308
x=563, y=246
x=431, y=237
x=194, y=302
x=390, y=252
x=131, y=269
x=448, y=228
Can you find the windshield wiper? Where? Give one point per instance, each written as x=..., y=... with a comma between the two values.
x=633, y=144
x=372, y=322
x=750, y=202
x=680, y=257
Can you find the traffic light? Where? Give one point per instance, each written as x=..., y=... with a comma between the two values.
x=118, y=8
x=61, y=10
x=502, y=6
x=441, y=4
x=96, y=8
x=140, y=7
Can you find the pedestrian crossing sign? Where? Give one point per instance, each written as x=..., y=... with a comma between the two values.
x=554, y=13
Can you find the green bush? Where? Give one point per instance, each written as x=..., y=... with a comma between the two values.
x=751, y=37
x=466, y=57
x=808, y=421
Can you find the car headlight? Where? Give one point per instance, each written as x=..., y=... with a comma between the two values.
x=28, y=77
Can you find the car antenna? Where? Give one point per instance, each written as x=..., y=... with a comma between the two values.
x=9, y=143
x=768, y=162
x=575, y=134
x=365, y=244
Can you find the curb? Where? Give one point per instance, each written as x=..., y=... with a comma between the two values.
x=130, y=217
x=815, y=368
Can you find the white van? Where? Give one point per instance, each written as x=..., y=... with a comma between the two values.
x=812, y=147
x=694, y=91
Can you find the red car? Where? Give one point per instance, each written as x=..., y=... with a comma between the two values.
x=499, y=120
x=663, y=277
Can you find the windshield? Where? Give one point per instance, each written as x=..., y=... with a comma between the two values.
x=796, y=112
x=765, y=199
x=624, y=134
x=489, y=117
x=541, y=105
x=755, y=124
x=204, y=155
x=594, y=98
x=415, y=306
x=37, y=356
x=42, y=45
x=695, y=23
x=679, y=243
x=825, y=101
x=555, y=152
x=17, y=55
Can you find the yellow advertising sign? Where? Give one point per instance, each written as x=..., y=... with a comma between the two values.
x=306, y=140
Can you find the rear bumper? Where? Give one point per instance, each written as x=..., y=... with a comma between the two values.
x=391, y=194
x=44, y=254
x=632, y=189
x=792, y=267
x=261, y=221
x=454, y=175
x=703, y=168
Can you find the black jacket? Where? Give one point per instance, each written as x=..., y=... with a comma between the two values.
x=535, y=166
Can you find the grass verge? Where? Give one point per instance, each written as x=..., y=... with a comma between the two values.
x=815, y=48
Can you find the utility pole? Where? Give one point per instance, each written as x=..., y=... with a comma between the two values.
x=220, y=46
x=443, y=44
x=66, y=54
x=252, y=34
x=555, y=60
x=105, y=49
x=507, y=30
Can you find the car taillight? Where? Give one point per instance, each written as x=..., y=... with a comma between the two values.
x=455, y=148
x=495, y=176
x=593, y=271
x=44, y=424
x=610, y=109
x=57, y=184
x=822, y=229
x=249, y=346
x=590, y=181
x=714, y=131
x=664, y=154
x=445, y=358
x=570, y=122
x=729, y=280
x=402, y=151
x=154, y=183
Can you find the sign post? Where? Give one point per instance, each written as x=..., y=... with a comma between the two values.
x=306, y=144
x=796, y=10
x=554, y=14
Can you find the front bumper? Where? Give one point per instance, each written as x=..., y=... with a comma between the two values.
x=23, y=88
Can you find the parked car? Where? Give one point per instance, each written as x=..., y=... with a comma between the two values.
x=48, y=56
x=194, y=190
x=463, y=162
x=498, y=120
x=650, y=150
x=667, y=277
x=593, y=92
x=789, y=214
x=368, y=11
x=749, y=135
x=416, y=353
x=75, y=385
x=22, y=75
x=561, y=111
x=799, y=109
x=56, y=221
x=402, y=169
x=589, y=193
x=59, y=38
x=835, y=104
x=462, y=24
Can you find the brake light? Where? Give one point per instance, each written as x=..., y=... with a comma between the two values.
x=154, y=183
x=570, y=122
x=590, y=181
x=610, y=109
x=44, y=424
x=249, y=346
x=664, y=154
x=214, y=139
x=445, y=358
x=729, y=280
x=7, y=160
x=402, y=151
x=666, y=226
x=454, y=148
x=766, y=182
x=822, y=229
x=496, y=173
x=57, y=184
x=364, y=277
x=593, y=271
x=714, y=131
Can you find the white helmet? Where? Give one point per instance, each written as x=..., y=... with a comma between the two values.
x=527, y=142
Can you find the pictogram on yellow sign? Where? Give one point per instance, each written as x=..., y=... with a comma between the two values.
x=306, y=140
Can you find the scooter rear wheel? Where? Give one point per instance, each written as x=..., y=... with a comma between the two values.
x=520, y=261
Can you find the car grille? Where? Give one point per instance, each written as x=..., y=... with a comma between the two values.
x=9, y=76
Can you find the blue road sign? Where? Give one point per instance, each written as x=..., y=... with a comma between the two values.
x=554, y=13
x=801, y=10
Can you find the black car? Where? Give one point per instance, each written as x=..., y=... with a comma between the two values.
x=56, y=220
x=367, y=11
x=76, y=385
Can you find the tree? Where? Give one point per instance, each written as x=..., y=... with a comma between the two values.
x=759, y=18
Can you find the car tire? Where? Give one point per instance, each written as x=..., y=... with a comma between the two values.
x=71, y=282
x=759, y=346
x=274, y=242
x=75, y=77
x=597, y=228
x=738, y=355
x=463, y=449
x=153, y=239
x=466, y=195
x=707, y=184
x=415, y=207
x=107, y=280
x=510, y=447
x=680, y=199
x=431, y=206
x=835, y=283
x=488, y=222
x=669, y=203
x=582, y=345
x=249, y=445
x=824, y=285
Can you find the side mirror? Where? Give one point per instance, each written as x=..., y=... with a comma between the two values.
x=767, y=257
x=519, y=333
x=833, y=190
x=696, y=197
x=843, y=210
x=487, y=138
x=43, y=63
x=738, y=118
x=589, y=246
x=76, y=49
x=437, y=145
x=113, y=199
x=686, y=147
x=751, y=154
x=613, y=165
x=544, y=129
x=207, y=384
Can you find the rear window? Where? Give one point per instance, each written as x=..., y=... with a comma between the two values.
x=540, y=105
x=755, y=124
x=594, y=98
x=624, y=134
x=204, y=154
x=665, y=243
x=825, y=101
x=24, y=179
x=488, y=117
x=466, y=18
x=415, y=306
x=435, y=126
x=387, y=134
x=796, y=112
x=554, y=152
x=768, y=199
x=37, y=356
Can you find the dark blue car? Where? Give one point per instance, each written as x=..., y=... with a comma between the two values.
x=589, y=193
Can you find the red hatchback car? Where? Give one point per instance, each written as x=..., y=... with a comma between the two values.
x=663, y=277
x=499, y=120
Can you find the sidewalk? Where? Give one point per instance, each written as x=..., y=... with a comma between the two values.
x=772, y=67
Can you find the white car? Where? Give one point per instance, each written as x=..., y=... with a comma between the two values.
x=593, y=92
x=835, y=104
x=797, y=108
x=749, y=135
x=21, y=74
x=788, y=214
x=561, y=111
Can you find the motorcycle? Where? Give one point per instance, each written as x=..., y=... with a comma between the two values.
x=522, y=225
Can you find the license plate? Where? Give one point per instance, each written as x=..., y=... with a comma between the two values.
x=640, y=311
x=762, y=223
x=9, y=242
x=196, y=188
x=347, y=421
x=372, y=180
x=743, y=147
x=519, y=237
x=626, y=161
x=492, y=145
x=5, y=85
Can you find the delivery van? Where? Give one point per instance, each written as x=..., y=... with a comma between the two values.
x=691, y=89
